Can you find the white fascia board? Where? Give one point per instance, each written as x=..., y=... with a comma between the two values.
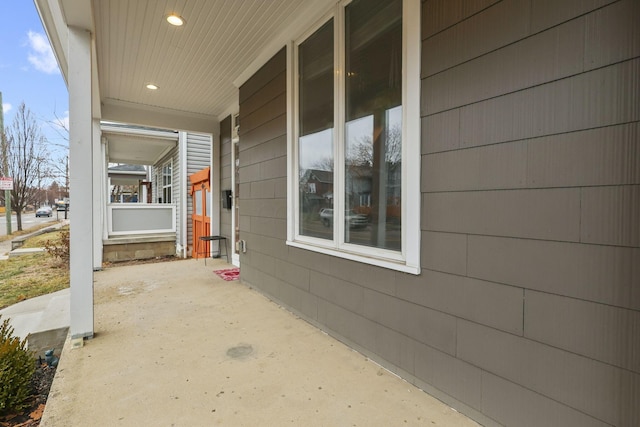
x=55, y=26
x=229, y=111
x=78, y=14
x=96, y=108
x=57, y=17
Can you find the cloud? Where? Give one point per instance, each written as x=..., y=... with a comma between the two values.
x=6, y=107
x=40, y=55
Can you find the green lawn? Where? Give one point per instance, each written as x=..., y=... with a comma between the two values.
x=29, y=276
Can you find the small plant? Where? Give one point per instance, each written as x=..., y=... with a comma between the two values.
x=16, y=369
x=59, y=248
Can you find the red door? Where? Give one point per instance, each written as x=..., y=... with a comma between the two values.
x=200, y=215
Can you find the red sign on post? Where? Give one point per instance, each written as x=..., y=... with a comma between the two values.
x=6, y=183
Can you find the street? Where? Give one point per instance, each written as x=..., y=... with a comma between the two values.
x=359, y=236
x=28, y=221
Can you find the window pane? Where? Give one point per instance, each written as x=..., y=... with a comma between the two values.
x=198, y=201
x=315, y=141
x=373, y=129
x=316, y=184
x=315, y=71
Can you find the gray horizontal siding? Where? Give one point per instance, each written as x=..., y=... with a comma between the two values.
x=198, y=157
x=530, y=175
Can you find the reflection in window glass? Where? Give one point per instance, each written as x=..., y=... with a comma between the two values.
x=373, y=129
x=315, y=142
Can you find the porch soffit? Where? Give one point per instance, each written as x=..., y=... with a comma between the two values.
x=195, y=65
x=137, y=150
x=127, y=174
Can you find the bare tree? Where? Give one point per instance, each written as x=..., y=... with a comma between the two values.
x=324, y=164
x=360, y=152
x=60, y=165
x=27, y=159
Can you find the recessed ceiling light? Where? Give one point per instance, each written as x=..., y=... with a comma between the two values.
x=151, y=86
x=176, y=20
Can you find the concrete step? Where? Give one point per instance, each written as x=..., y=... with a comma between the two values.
x=24, y=251
x=44, y=320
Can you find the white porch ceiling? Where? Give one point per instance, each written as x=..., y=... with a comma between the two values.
x=195, y=66
x=136, y=150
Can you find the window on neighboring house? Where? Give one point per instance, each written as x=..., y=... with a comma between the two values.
x=166, y=182
x=356, y=134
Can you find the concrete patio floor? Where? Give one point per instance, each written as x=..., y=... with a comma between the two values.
x=177, y=346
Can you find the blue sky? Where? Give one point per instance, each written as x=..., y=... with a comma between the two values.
x=29, y=72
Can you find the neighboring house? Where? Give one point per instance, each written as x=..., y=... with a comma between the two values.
x=510, y=288
x=316, y=187
x=128, y=184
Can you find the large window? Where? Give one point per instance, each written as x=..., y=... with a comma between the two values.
x=354, y=134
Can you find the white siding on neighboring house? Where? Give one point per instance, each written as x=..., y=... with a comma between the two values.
x=172, y=157
x=198, y=158
x=156, y=175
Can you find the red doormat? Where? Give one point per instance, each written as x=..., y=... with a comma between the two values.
x=229, y=274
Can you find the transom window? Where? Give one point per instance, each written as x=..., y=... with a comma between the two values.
x=351, y=144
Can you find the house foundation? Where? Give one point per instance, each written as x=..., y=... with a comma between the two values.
x=131, y=248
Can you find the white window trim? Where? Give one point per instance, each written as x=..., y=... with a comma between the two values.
x=163, y=186
x=408, y=259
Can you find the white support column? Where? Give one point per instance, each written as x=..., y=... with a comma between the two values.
x=81, y=183
x=106, y=185
x=98, y=195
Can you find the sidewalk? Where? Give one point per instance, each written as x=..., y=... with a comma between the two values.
x=175, y=345
x=5, y=246
x=45, y=319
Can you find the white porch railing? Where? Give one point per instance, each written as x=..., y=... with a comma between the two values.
x=138, y=218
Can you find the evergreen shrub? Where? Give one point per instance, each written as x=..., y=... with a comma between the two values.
x=16, y=369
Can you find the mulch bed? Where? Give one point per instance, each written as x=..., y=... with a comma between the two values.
x=31, y=415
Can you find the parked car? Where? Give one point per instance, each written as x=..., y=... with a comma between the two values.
x=44, y=211
x=62, y=206
x=355, y=220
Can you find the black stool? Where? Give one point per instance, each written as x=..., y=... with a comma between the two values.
x=220, y=239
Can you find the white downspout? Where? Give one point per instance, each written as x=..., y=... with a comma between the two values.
x=183, y=182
